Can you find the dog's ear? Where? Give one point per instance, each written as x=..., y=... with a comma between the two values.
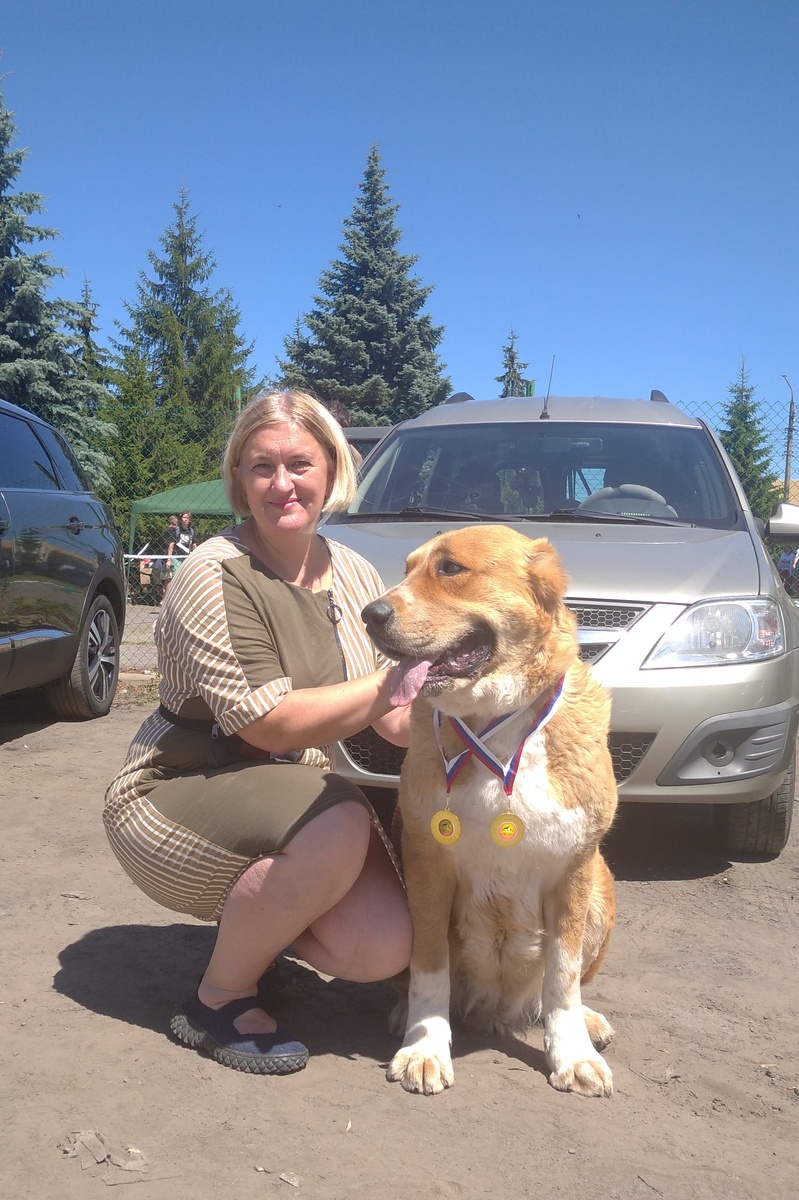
x=548, y=580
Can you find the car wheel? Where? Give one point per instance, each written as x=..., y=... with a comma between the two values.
x=88, y=690
x=760, y=828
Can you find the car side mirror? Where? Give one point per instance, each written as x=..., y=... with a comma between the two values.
x=783, y=524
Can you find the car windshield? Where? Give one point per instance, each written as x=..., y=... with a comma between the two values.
x=594, y=472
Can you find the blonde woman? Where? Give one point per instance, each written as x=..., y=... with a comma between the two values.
x=227, y=808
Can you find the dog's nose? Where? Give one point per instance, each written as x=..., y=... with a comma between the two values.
x=379, y=612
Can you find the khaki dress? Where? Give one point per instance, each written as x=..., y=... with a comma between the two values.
x=191, y=808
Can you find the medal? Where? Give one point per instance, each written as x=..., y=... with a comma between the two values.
x=445, y=827
x=507, y=830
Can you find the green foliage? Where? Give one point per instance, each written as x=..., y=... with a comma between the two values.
x=40, y=339
x=188, y=339
x=511, y=378
x=366, y=343
x=744, y=439
x=150, y=453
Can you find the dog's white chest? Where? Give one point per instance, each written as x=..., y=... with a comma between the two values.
x=551, y=835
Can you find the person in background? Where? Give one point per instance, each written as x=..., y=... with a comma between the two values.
x=227, y=807
x=168, y=541
x=184, y=541
x=786, y=565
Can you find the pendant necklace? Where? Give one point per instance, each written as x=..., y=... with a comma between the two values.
x=506, y=829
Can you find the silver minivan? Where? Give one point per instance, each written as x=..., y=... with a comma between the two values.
x=680, y=610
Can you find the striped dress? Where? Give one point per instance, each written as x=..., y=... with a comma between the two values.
x=233, y=639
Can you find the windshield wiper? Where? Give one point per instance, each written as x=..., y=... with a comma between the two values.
x=418, y=513
x=589, y=514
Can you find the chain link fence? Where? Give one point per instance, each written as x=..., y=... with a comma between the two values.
x=149, y=573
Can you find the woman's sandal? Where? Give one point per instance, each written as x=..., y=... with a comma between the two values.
x=212, y=1030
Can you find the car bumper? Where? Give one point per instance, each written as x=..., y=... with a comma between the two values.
x=711, y=735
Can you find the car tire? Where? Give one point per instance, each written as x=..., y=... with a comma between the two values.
x=88, y=690
x=760, y=828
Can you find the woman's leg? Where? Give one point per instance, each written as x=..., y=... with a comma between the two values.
x=332, y=894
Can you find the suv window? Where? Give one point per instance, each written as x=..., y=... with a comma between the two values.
x=522, y=469
x=65, y=461
x=23, y=460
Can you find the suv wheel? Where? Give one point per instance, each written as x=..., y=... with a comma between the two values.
x=88, y=690
x=762, y=827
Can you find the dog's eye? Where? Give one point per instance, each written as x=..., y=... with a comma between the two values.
x=448, y=566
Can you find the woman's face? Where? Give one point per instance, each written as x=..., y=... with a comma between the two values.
x=286, y=476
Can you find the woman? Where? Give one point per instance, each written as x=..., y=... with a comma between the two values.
x=226, y=807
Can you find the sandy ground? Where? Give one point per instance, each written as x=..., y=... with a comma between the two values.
x=701, y=984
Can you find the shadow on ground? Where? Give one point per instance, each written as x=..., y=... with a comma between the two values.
x=139, y=973
x=664, y=841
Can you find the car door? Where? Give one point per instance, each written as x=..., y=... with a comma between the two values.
x=44, y=567
x=6, y=572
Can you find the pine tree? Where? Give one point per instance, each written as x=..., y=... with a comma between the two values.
x=94, y=359
x=366, y=343
x=189, y=338
x=511, y=378
x=744, y=439
x=40, y=367
x=148, y=453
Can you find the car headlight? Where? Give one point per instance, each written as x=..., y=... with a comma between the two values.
x=721, y=632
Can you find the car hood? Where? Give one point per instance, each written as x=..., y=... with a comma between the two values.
x=607, y=562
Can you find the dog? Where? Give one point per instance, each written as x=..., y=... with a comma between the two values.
x=505, y=794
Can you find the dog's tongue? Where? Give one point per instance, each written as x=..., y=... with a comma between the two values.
x=409, y=677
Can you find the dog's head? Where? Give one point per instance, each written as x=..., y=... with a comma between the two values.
x=478, y=618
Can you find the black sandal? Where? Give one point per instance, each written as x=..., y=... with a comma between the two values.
x=212, y=1030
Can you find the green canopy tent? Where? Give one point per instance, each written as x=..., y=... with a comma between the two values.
x=200, y=499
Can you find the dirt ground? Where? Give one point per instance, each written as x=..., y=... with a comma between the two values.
x=701, y=984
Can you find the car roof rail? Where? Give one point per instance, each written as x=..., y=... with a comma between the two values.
x=458, y=398
x=658, y=397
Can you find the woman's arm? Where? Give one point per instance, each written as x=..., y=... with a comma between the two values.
x=395, y=726
x=317, y=716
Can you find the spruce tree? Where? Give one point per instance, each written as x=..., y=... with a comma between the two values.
x=744, y=439
x=511, y=378
x=366, y=343
x=189, y=337
x=148, y=454
x=40, y=367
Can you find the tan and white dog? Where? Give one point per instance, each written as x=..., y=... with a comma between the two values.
x=511, y=900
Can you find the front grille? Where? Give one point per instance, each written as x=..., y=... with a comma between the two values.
x=627, y=750
x=591, y=651
x=373, y=754
x=590, y=615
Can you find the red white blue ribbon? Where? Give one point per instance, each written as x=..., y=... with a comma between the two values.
x=476, y=746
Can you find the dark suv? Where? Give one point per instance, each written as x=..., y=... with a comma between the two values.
x=62, y=591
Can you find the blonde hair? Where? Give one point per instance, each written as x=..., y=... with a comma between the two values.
x=298, y=408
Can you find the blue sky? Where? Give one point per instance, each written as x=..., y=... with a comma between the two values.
x=617, y=181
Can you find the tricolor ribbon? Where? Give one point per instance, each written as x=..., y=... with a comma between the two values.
x=476, y=746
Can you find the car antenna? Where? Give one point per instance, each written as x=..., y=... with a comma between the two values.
x=544, y=415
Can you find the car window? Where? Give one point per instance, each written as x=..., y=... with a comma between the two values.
x=24, y=463
x=520, y=469
x=65, y=461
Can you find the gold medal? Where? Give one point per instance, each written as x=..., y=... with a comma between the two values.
x=507, y=830
x=445, y=827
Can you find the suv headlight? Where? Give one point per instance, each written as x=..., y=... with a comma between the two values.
x=721, y=632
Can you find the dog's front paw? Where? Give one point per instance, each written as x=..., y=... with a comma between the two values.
x=590, y=1077
x=423, y=1068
